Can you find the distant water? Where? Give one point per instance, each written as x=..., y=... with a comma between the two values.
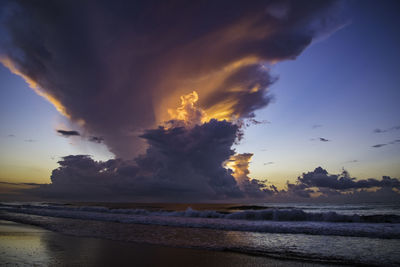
x=362, y=233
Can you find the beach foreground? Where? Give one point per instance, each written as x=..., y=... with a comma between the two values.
x=22, y=244
x=213, y=236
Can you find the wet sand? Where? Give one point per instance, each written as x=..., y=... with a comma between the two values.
x=22, y=244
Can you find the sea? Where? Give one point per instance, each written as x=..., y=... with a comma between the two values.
x=356, y=234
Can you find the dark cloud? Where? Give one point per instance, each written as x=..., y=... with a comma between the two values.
x=315, y=126
x=184, y=175
x=115, y=67
x=397, y=141
x=300, y=190
x=11, y=135
x=394, y=128
x=96, y=139
x=193, y=158
x=320, y=139
x=195, y=163
x=252, y=121
x=66, y=133
x=379, y=145
x=179, y=164
x=331, y=184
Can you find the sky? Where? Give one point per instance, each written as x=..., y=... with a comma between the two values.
x=300, y=85
x=347, y=86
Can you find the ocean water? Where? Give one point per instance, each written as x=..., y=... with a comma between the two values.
x=351, y=234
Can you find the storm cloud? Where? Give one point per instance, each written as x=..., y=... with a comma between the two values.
x=179, y=164
x=116, y=67
x=182, y=176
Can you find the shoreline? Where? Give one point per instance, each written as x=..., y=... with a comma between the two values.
x=53, y=248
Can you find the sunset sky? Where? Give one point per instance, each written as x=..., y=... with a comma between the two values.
x=317, y=84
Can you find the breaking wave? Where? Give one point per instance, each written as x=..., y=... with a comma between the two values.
x=268, y=214
x=295, y=221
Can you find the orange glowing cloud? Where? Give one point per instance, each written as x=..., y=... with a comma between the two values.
x=239, y=164
x=188, y=112
x=208, y=86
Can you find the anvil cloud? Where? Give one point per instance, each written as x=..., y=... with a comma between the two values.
x=116, y=67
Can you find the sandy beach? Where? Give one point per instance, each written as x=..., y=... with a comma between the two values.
x=22, y=244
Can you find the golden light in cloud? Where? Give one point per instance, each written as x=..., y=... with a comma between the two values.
x=33, y=84
x=191, y=114
x=230, y=164
x=188, y=112
x=206, y=85
x=239, y=164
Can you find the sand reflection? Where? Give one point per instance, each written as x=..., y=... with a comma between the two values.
x=28, y=245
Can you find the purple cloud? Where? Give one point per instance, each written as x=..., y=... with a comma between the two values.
x=121, y=78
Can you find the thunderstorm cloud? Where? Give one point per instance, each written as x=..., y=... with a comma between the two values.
x=116, y=67
x=118, y=70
